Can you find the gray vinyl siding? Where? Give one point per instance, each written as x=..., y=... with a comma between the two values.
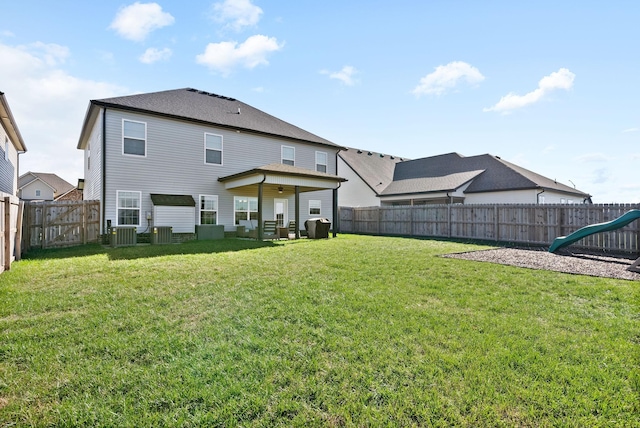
x=8, y=167
x=93, y=168
x=174, y=163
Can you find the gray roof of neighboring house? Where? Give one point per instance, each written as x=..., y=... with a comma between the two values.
x=9, y=124
x=59, y=185
x=443, y=183
x=375, y=169
x=498, y=175
x=208, y=108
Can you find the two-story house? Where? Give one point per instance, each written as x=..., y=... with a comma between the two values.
x=11, y=146
x=186, y=157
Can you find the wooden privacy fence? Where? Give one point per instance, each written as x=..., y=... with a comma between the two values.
x=520, y=224
x=51, y=224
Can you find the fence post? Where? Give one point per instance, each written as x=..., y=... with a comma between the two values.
x=7, y=233
x=18, y=247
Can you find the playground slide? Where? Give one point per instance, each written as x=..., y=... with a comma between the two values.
x=623, y=220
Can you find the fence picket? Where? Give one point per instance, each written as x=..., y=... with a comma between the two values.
x=517, y=223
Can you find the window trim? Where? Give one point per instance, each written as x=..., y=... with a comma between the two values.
x=319, y=207
x=248, y=198
x=6, y=148
x=221, y=149
x=118, y=207
x=134, y=138
x=326, y=161
x=200, y=209
x=282, y=158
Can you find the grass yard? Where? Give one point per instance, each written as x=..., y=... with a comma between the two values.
x=350, y=331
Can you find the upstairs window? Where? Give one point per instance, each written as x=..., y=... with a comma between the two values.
x=134, y=138
x=38, y=193
x=321, y=162
x=288, y=155
x=208, y=209
x=213, y=149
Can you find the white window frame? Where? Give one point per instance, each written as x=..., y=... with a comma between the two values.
x=248, y=211
x=325, y=164
x=38, y=192
x=118, y=207
x=283, y=159
x=315, y=204
x=206, y=148
x=203, y=198
x=134, y=138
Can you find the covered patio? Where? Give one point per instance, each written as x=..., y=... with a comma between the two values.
x=287, y=180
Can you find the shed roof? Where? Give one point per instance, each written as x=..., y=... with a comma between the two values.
x=204, y=107
x=172, y=200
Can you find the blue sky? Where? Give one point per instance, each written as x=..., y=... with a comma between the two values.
x=551, y=86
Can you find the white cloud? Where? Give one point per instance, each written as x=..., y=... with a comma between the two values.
x=548, y=149
x=601, y=175
x=447, y=77
x=49, y=106
x=224, y=56
x=561, y=79
x=346, y=75
x=152, y=55
x=6, y=33
x=238, y=14
x=630, y=130
x=593, y=157
x=136, y=21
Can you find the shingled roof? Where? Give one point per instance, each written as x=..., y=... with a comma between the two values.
x=375, y=169
x=59, y=185
x=498, y=175
x=206, y=108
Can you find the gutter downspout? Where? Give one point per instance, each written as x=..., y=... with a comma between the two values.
x=538, y=197
x=104, y=170
x=260, y=231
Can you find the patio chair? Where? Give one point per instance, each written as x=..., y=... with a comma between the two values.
x=292, y=228
x=270, y=230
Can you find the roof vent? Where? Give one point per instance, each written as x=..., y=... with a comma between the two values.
x=359, y=151
x=370, y=153
x=381, y=155
x=391, y=157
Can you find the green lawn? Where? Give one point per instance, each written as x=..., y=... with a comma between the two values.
x=350, y=331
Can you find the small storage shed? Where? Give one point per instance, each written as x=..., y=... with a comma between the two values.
x=177, y=211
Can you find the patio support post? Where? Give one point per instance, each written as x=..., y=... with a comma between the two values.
x=335, y=212
x=297, y=215
x=260, y=231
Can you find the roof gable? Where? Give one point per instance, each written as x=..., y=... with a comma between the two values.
x=57, y=184
x=375, y=169
x=498, y=175
x=205, y=107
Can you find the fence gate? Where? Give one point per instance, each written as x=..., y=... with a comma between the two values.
x=52, y=224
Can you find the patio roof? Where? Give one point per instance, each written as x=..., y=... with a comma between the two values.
x=283, y=176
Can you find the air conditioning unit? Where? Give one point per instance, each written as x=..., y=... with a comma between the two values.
x=122, y=236
x=162, y=235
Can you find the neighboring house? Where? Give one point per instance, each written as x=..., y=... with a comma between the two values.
x=376, y=179
x=40, y=186
x=186, y=157
x=11, y=145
